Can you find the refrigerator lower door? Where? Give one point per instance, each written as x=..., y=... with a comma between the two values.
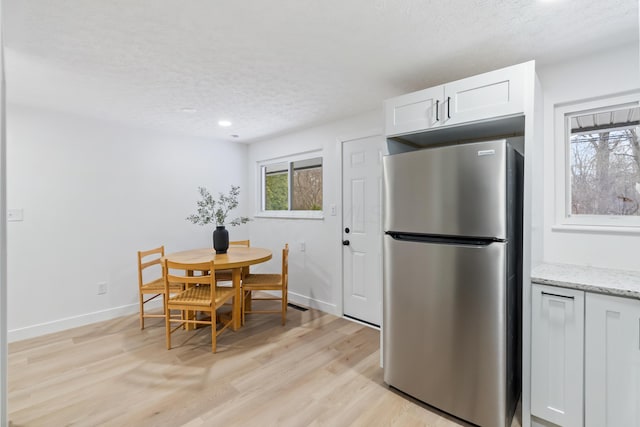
x=445, y=338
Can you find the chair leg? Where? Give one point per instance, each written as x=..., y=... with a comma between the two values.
x=167, y=323
x=284, y=309
x=141, y=311
x=213, y=331
x=242, y=308
x=248, y=301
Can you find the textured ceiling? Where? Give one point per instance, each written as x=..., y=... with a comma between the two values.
x=275, y=66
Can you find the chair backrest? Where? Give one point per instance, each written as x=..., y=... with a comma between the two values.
x=143, y=265
x=242, y=244
x=285, y=265
x=182, y=273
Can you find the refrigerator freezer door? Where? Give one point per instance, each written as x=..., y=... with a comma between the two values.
x=458, y=190
x=445, y=335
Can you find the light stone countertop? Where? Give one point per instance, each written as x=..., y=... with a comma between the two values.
x=601, y=280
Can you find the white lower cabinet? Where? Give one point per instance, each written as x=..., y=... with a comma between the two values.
x=584, y=347
x=557, y=334
x=612, y=362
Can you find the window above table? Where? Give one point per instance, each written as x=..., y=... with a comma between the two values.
x=291, y=187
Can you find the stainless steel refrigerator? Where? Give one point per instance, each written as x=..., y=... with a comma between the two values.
x=452, y=277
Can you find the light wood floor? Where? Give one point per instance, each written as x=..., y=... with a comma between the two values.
x=318, y=370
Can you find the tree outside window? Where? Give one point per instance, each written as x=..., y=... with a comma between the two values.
x=276, y=187
x=604, y=161
x=306, y=188
x=293, y=186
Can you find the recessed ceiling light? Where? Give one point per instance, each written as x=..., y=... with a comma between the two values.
x=190, y=110
x=224, y=123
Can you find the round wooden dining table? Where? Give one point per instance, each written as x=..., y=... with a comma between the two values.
x=234, y=260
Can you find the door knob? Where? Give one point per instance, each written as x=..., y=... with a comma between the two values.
x=345, y=242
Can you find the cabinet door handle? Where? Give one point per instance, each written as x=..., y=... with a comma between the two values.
x=437, y=108
x=448, y=107
x=559, y=296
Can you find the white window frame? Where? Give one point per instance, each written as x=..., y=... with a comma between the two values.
x=291, y=214
x=564, y=221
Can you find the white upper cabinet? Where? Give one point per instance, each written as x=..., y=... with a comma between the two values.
x=612, y=361
x=557, y=354
x=414, y=111
x=485, y=96
x=489, y=95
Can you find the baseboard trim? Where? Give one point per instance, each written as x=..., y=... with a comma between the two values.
x=39, y=329
x=314, y=303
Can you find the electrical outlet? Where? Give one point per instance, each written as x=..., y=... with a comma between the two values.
x=303, y=246
x=15, y=215
x=102, y=288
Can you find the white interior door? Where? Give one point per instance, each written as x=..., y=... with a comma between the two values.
x=362, y=228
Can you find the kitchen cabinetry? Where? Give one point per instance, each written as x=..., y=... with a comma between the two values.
x=612, y=362
x=595, y=326
x=557, y=354
x=503, y=102
x=490, y=95
x=414, y=111
x=494, y=94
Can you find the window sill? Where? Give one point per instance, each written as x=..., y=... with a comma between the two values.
x=596, y=229
x=291, y=215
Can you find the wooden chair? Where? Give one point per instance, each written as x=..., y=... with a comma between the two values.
x=225, y=275
x=200, y=295
x=267, y=282
x=155, y=286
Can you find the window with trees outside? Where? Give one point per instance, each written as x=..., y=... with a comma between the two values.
x=292, y=186
x=603, y=165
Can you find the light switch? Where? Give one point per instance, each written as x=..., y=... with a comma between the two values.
x=303, y=246
x=15, y=214
x=333, y=210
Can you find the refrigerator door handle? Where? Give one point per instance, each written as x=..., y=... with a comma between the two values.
x=442, y=239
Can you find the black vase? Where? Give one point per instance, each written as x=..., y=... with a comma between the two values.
x=220, y=239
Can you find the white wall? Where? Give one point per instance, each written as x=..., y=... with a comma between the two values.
x=594, y=76
x=315, y=275
x=3, y=239
x=93, y=194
